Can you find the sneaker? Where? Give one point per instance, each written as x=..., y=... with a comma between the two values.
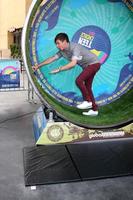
x=91, y=113
x=85, y=105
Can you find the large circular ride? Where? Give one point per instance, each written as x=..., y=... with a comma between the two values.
x=102, y=26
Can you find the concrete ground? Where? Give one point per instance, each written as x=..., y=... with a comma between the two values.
x=15, y=133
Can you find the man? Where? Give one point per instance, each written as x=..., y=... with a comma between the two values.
x=77, y=54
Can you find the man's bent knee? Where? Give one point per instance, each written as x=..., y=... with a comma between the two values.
x=79, y=81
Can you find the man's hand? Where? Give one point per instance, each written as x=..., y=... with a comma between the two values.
x=55, y=71
x=65, y=67
x=35, y=67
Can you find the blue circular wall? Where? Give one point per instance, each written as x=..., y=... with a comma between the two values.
x=104, y=27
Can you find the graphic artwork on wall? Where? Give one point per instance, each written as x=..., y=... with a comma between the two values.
x=102, y=26
x=104, y=34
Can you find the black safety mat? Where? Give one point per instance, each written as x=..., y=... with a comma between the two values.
x=100, y=160
x=47, y=165
x=77, y=162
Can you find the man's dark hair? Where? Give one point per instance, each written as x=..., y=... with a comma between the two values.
x=61, y=37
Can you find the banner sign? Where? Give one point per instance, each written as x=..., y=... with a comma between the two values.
x=9, y=74
x=66, y=132
x=46, y=132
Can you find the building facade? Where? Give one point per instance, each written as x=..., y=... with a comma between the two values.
x=12, y=17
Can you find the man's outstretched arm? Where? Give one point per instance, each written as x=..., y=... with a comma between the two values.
x=45, y=62
x=65, y=67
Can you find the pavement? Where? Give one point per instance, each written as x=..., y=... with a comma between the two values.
x=16, y=132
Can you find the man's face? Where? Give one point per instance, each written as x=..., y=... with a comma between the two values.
x=61, y=44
